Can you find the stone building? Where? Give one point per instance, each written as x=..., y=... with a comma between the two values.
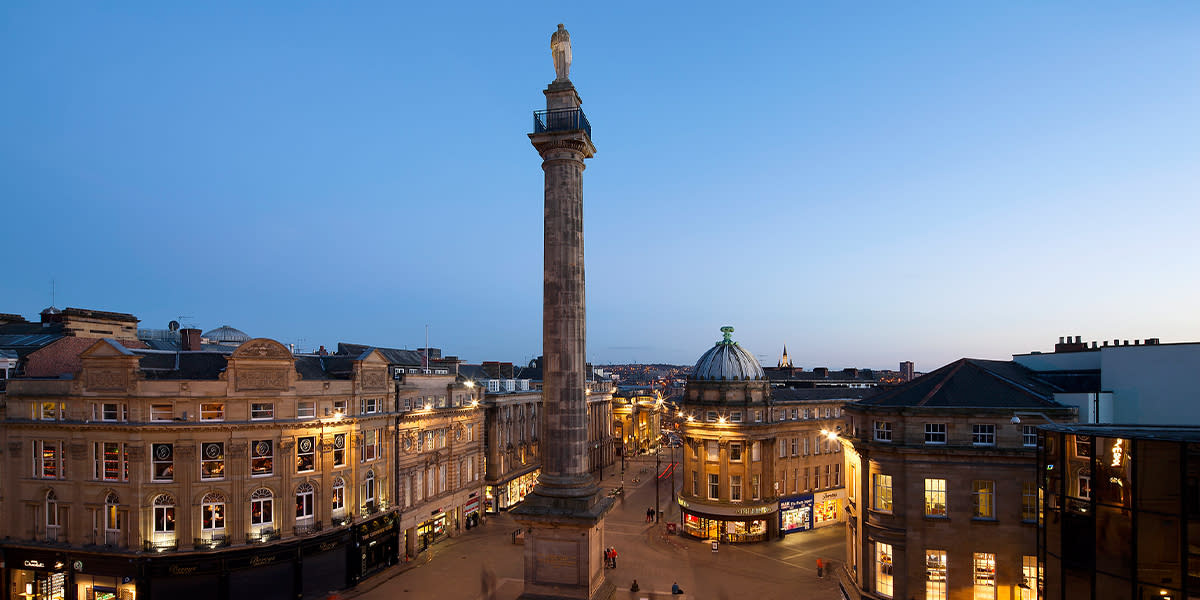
x=439, y=452
x=513, y=414
x=155, y=474
x=637, y=419
x=942, y=489
x=756, y=463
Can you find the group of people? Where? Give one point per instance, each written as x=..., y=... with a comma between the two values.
x=610, y=557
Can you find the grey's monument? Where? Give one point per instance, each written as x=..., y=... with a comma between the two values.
x=564, y=516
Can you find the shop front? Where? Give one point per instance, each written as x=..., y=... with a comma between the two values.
x=470, y=511
x=37, y=574
x=734, y=524
x=323, y=567
x=268, y=574
x=431, y=531
x=827, y=507
x=504, y=496
x=99, y=577
x=378, y=543
x=171, y=578
x=795, y=514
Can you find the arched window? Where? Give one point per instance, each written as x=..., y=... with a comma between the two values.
x=304, y=504
x=339, y=497
x=369, y=488
x=164, y=514
x=51, y=515
x=262, y=504
x=112, y=519
x=212, y=513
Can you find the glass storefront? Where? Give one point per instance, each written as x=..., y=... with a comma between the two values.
x=752, y=530
x=431, y=531
x=506, y=495
x=95, y=587
x=827, y=507
x=796, y=513
x=38, y=585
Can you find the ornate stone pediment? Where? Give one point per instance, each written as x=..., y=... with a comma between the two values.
x=110, y=379
x=375, y=379
x=262, y=348
x=262, y=379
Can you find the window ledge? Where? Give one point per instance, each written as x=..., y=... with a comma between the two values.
x=985, y=519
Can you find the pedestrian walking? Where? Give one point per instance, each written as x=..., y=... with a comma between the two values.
x=650, y=514
x=608, y=558
x=820, y=568
x=614, y=558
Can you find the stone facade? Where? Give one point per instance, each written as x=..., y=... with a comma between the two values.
x=942, y=500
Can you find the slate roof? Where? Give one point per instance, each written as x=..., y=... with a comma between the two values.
x=329, y=366
x=974, y=383
x=161, y=364
x=394, y=356
x=811, y=394
x=61, y=357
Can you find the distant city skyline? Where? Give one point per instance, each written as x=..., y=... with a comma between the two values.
x=864, y=186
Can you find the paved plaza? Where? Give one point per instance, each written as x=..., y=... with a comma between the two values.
x=467, y=566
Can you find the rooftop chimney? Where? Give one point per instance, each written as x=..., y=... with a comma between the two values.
x=1078, y=339
x=189, y=340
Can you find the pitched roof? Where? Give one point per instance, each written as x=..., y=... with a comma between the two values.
x=159, y=364
x=61, y=357
x=394, y=356
x=975, y=383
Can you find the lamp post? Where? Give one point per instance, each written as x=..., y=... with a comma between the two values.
x=657, y=454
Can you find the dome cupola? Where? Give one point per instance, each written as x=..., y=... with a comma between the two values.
x=226, y=335
x=727, y=361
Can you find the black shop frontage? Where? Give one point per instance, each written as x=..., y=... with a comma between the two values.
x=309, y=569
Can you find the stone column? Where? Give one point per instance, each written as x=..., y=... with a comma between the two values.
x=564, y=516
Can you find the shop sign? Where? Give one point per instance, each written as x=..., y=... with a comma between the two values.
x=795, y=513
x=376, y=528
x=471, y=506
x=34, y=564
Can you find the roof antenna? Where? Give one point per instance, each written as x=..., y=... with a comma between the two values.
x=51, y=292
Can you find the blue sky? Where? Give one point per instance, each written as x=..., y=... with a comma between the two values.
x=866, y=184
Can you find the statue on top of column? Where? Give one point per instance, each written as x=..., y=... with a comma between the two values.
x=560, y=48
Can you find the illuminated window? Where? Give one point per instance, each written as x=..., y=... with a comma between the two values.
x=304, y=504
x=339, y=497
x=883, y=492
x=262, y=458
x=48, y=411
x=212, y=411
x=935, y=433
x=984, y=499
x=935, y=497
x=112, y=461
x=1030, y=587
x=112, y=519
x=883, y=431
x=164, y=513
x=163, y=462
x=262, y=509
x=985, y=576
x=339, y=450
x=48, y=460
x=883, y=569
x=935, y=574
x=306, y=454
x=212, y=460
x=212, y=514
x=713, y=451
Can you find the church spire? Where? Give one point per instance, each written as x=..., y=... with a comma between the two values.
x=785, y=362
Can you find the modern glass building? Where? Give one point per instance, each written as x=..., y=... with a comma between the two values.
x=1120, y=512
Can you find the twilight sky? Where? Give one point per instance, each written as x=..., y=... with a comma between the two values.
x=866, y=184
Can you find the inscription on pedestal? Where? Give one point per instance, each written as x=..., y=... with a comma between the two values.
x=557, y=562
